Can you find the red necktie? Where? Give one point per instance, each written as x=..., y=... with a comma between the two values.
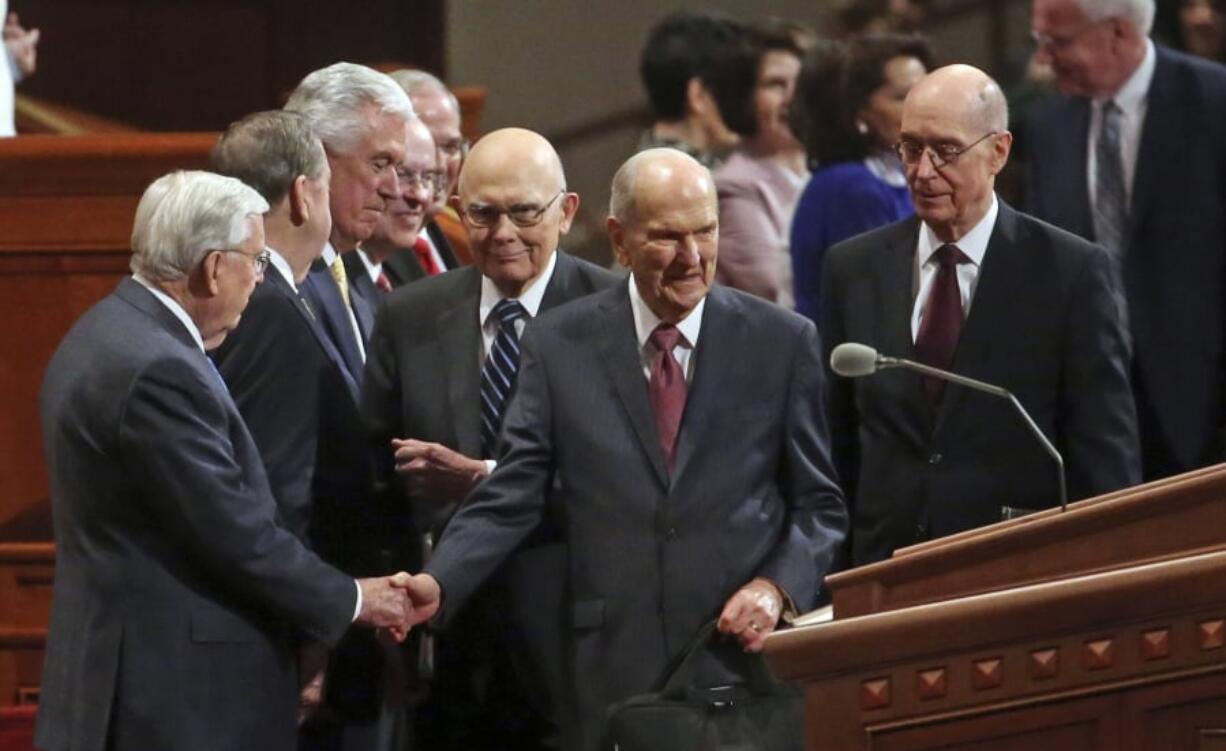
x=666, y=388
x=383, y=283
x=942, y=323
x=422, y=248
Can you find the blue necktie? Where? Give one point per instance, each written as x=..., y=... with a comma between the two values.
x=498, y=373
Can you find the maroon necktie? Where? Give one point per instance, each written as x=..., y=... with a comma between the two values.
x=942, y=323
x=422, y=248
x=667, y=388
x=383, y=283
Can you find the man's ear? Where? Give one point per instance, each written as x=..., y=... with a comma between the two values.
x=617, y=237
x=1002, y=144
x=570, y=205
x=299, y=208
x=210, y=272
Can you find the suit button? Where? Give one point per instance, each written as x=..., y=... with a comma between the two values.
x=671, y=534
x=935, y=458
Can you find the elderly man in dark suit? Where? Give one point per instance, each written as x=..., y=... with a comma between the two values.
x=179, y=594
x=677, y=431
x=436, y=384
x=971, y=285
x=1132, y=156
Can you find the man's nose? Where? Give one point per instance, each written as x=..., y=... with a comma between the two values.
x=388, y=185
x=689, y=250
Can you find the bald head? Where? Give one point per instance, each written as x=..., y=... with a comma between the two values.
x=513, y=199
x=967, y=89
x=664, y=226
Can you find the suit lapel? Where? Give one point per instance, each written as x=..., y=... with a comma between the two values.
x=402, y=267
x=895, y=293
x=562, y=284
x=441, y=245
x=722, y=332
x=459, y=337
x=1163, y=126
x=619, y=352
x=321, y=290
x=282, y=287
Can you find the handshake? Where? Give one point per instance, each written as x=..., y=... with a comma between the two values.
x=399, y=602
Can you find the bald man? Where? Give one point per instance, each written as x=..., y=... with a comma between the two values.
x=442, y=365
x=972, y=286
x=680, y=428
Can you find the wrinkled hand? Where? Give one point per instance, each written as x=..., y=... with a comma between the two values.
x=435, y=472
x=424, y=593
x=312, y=661
x=385, y=604
x=22, y=43
x=752, y=613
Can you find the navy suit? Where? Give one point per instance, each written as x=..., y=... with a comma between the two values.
x=652, y=554
x=319, y=288
x=178, y=592
x=1174, y=262
x=1044, y=323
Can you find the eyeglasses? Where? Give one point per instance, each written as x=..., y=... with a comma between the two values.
x=942, y=155
x=1057, y=43
x=427, y=179
x=455, y=147
x=480, y=215
x=259, y=261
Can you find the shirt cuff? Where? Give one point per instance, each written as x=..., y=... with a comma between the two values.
x=357, y=606
x=489, y=465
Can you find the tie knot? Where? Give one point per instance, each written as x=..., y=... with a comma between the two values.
x=949, y=255
x=665, y=337
x=507, y=312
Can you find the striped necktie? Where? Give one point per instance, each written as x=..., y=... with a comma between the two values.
x=1111, y=200
x=498, y=373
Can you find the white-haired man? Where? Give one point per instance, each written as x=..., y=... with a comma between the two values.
x=1132, y=157
x=178, y=592
x=359, y=114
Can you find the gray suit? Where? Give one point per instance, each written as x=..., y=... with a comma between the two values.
x=178, y=595
x=653, y=555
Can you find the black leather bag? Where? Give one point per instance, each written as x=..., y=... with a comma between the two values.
x=760, y=715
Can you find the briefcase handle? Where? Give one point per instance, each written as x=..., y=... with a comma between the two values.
x=675, y=683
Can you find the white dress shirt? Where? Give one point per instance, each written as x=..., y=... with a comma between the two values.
x=329, y=255
x=1133, y=101
x=278, y=262
x=645, y=322
x=373, y=270
x=530, y=298
x=974, y=245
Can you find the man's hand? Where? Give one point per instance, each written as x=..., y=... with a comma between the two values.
x=312, y=661
x=752, y=613
x=435, y=472
x=385, y=604
x=424, y=593
x=22, y=43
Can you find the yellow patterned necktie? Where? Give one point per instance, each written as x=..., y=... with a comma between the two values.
x=342, y=279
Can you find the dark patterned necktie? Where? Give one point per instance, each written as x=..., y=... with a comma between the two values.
x=498, y=373
x=942, y=322
x=666, y=388
x=1111, y=200
x=383, y=282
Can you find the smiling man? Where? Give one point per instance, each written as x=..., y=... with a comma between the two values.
x=442, y=366
x=1132, y=156
x=679, y=427
x=972, y=286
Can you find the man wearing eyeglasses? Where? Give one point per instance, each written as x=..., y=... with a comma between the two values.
x=973, y=286
x=1132, y=156
x=442, y=367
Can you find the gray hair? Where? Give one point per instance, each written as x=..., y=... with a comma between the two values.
x=1140, y=12
x=335, y=99
x=622, y=200
x=184, y=215
x=416, y=81
x=268, y=151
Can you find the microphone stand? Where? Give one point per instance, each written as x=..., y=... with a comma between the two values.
x=987, y=388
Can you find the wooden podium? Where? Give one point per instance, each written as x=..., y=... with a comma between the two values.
x=1103, y=627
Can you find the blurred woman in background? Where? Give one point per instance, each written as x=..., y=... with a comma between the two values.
x=848, y=115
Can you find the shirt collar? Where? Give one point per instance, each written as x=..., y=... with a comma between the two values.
x=329, y=254
x=174, y=307
x=1132, y=95
x=529, y=298
x=278, y=262
x=973, y=244
x=373, y=270
x=645, y=320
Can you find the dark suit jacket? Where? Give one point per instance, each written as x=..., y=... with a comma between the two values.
x=363, y=294
x=653, y=555
x=319, y=288
x=403, y=266
x=1044, y=323
x=1174, y=266
x=177, y=592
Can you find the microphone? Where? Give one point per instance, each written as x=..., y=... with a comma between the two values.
x=855, y=360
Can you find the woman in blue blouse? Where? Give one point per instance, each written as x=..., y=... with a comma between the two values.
x=848, y=118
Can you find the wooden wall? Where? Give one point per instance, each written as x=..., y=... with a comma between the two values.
x=193, y=65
